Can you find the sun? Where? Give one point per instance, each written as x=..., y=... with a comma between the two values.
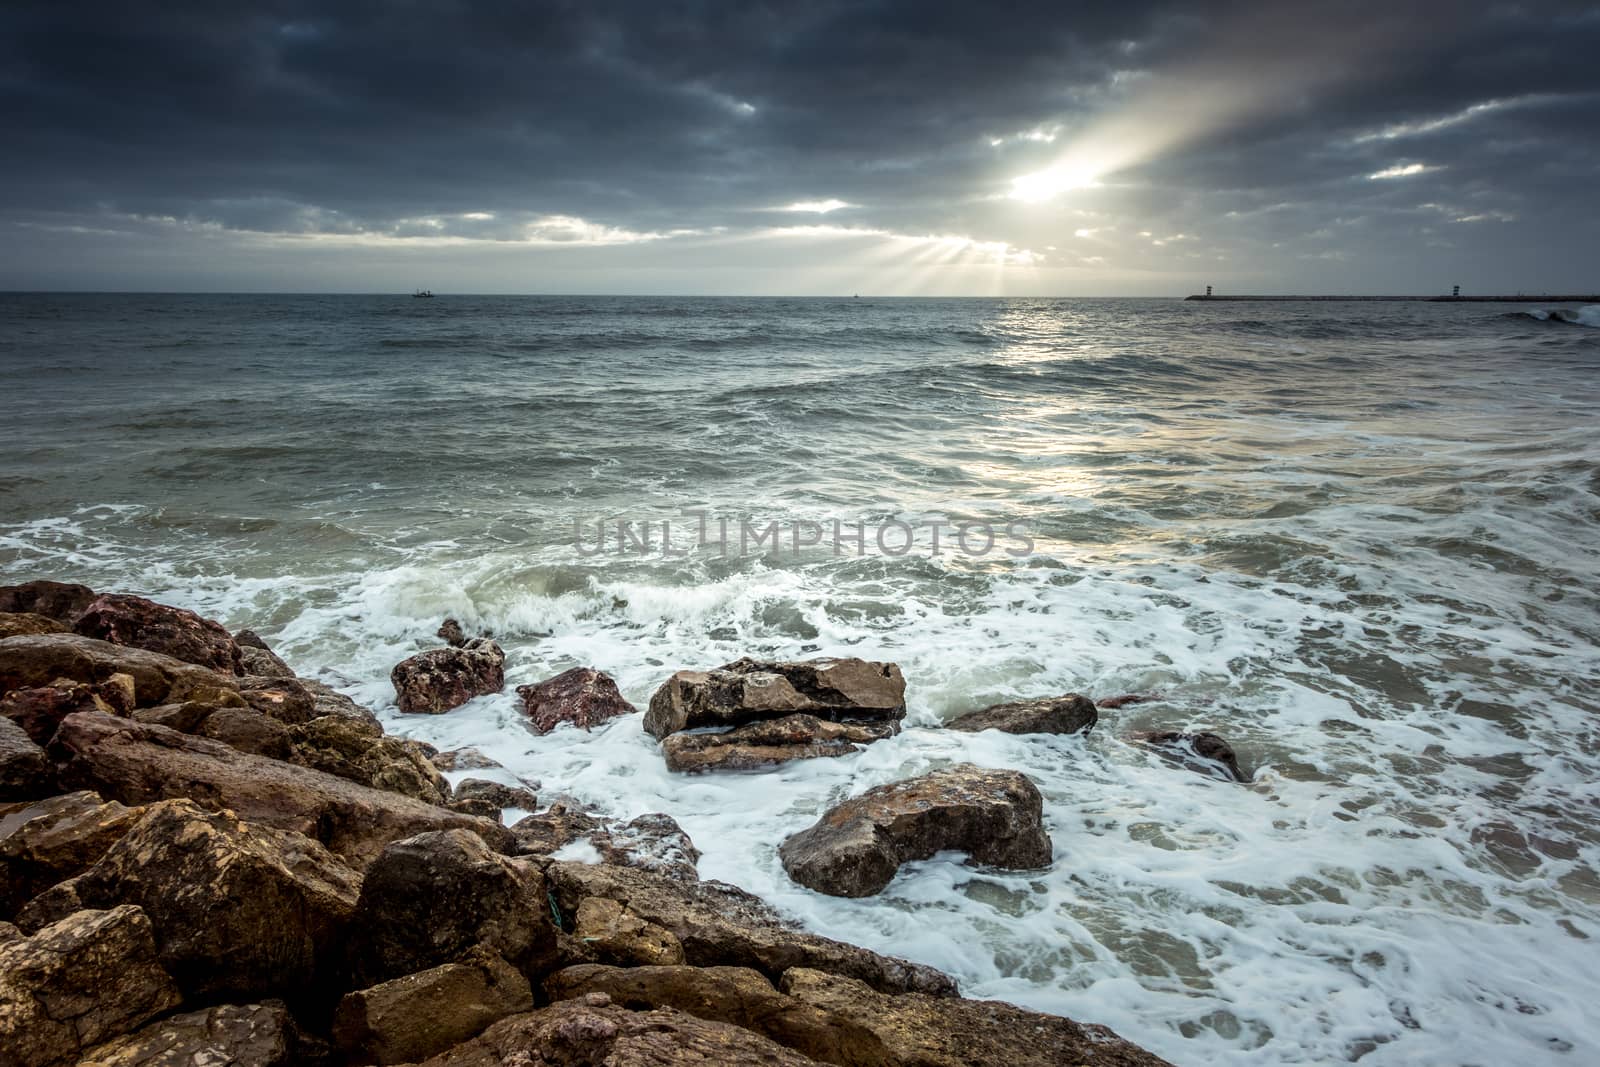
x=1047, y=184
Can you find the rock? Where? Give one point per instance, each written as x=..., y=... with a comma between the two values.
x=855, y=849
x=248, y=731
x=593, y=1032
x=49, y=841
x=619, y=936
x=37, y=711
x=56, y=600
x=1205, y=753
x=329, y=701
x=920, y=1031
x=747, y=691
x=443, y=678
x=24, y=772
x=137, y=763
x=450, y=633
x=764, y=744
x=257, y=657
x=26, y=624
x=239, y=909
x=91, y=977
x=1127, y=698
x=249, y=1035
x=188, y=717
x=582, y=696
x=496, y=793
x=345, y=747
x=420, y=1015
x=285, y=699
x=653, y=842
x=463, y=759
x=50, y=906
x=475, y=806
x=722, y=925
x=1068, y=714
x=431, y=897
x=157, y=679
x=175, y=632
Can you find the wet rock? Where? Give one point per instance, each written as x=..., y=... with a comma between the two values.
x=419, y=1015
x=248, y=1035
x=91, y=977
x=24, y=772
x=239, y=909
x=157, y=679
x=443, y=678
x=55, y=600
x=48, y=841
x=463, y=759
x=721, y=925
x=1204, y=753
x=26, y=624
x=653, y=842
x=347, y=748
x=187, y=717
x=431, y=897
x=257, y=657
x=496, y=793
x=747, y=691
x=285, y=699
x=582, y=696
x=137, y=763
x=175, y=632
x=474, y=806
x=1068, y=714
x=920, y=1031
x=329, y=701
x=37, y=711
x=592, y=1032
x=1127, y=698
x=758, y=745
x=248, y=731
x=451, y=633
x=619, y=936
x=855, y=849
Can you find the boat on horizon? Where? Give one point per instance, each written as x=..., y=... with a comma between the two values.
x=423, y=294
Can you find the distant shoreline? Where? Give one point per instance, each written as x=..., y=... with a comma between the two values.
x=1519, y=299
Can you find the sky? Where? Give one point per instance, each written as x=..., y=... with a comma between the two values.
x=924, y=147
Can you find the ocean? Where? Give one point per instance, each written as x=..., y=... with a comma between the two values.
x=1359, y=541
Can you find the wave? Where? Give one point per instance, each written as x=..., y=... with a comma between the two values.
x=1588, y=315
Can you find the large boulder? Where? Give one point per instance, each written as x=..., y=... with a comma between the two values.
x=410, y=1018
x=240, y=910
x=345, y=746
x=24, y=772
x=230, y=1035
x=157, y=679
x=286, y=699
x=617, y=935
x=257, y=657
x=327, y=700
x=429, y=898
x=592, y=1032
x=855, y=849
x=443, y=678
x=722, y=925
x=81, y=981
x=1203, y=753
x=1068, y=714
x=175, y=632
x=748, y=690
x=48, y=841
x=27, y=624
x=762, y=744
x=653, y=842
x=138, y=763
x=582, y=696
x=497, y=794
x=55, y=600
x=248, y=730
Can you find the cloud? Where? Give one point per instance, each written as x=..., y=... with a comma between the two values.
x=1401, y=170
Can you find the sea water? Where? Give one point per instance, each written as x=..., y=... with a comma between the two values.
x=1357, y=540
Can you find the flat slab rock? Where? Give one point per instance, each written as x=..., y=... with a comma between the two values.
x=749, y=690
x=444, y=678
x=582, y=696
x=758, y=745
x=1068, y=714
x=854, y=850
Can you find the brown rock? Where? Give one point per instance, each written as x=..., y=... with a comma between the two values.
x=420, y=1015
x=764, y=744
x=431, y=897
x=329, y=701
x=463, y=759
x=37, y=711
x=24, y=772
x=496, y=793
x=285, y=699
x=26, y=624
x=1127, y=698
x=81, y=981
x=653, y=842
x=346, y=747
x=49, y=841
x=50, y=906
x=257, y=658
x=747, y=690
x=188, y=717
x=250, y=1035
x=722, y=925
x=582, y=696
x=450, y=633
x=175, y=632
x=855, y=849
x=138, y=763
x=239, y=909
x=1068, y=714
x=39, y=661
x=619, y=936
x=443, y=678
x=248, y=731
x=56, y=600
x=475, y=806
x=1204, y=753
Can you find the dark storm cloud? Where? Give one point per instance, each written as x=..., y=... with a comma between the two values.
x=595, y=123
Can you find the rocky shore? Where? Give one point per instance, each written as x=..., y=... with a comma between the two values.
x=210, y=860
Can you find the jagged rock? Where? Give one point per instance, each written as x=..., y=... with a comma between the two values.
x=175, y=632
x=619, y=936
x=721, y=925
x=50, y=906
x=249, y=1035
x=420, y=1015
x=443, y=678
x=257, y=658
x=24, y=772
x=1205, y=753
x=582, y=696
x=91, y=977
x=329, y=701
x=474, y=806
x=39, y=710
x=239, y=909
x=26, y=624
x=855, y=849
x=593, y=1032
x=451, y=633
x=496, y=793
x=187, y=718
x=1127, y=698
x=248, y=731
x=429, y=898
x=49, y=841
x=1068, y=714
x=653, y=842
x=56, y=600
x=137, y=763
x=39, y=661
x=747, y=690
x=764, y=744
x=285, y=699
x=463, y=759
x=345, y=747
x=920, y=1031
